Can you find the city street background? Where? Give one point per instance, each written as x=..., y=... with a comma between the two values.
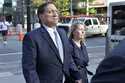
x=23, y=13
x=11, y=54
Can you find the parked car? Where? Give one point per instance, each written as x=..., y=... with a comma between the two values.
x=93, y=25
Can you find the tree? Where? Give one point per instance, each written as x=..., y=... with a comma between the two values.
x=63, y=6
x=36, y=3
x=90, y=10
x=86, y=0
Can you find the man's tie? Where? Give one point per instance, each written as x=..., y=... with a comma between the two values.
x=59, y=44
x=60, y=48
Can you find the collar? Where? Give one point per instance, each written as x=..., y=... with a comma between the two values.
x=49, y=28
x=77, y=43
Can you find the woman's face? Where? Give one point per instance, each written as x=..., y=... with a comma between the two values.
x=79, y=33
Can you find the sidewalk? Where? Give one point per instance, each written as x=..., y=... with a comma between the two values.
x=13, y=46
x=12, y=79
x=12, y=43
x=16, y=46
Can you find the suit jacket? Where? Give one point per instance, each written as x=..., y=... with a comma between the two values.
x=80, y=56
x=112, y=68
x=41, y=62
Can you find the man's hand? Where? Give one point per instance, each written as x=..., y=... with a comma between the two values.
x=78, y=81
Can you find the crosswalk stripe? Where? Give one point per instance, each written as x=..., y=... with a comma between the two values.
x=10, y=53
x=5, y=74
x=96, y=46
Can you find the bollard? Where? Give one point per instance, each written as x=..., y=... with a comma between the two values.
x=20, y=32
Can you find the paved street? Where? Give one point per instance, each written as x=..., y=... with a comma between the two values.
x=10, y=58
x=96, y=50
x=10, y=61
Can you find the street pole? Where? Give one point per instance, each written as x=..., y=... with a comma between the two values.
x=87, y=7
x=71, y=9
x=22, y=15
x=3, y=9
x=28, y=16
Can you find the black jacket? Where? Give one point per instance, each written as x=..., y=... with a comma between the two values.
x=112, y=68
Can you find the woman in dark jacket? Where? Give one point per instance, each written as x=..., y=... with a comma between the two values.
x=80, y=55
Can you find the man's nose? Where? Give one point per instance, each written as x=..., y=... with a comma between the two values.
x=55, y=14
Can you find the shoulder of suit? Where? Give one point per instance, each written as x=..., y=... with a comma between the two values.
x=34, y=32
x=61, y=30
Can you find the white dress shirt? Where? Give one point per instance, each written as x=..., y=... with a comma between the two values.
x=57, y=40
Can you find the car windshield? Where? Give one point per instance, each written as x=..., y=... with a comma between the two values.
x=78, y=20
x=72, y=20
x=65, y=20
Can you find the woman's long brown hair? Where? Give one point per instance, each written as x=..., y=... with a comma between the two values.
x=73, y=28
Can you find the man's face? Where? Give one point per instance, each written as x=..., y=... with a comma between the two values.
x=50, y=16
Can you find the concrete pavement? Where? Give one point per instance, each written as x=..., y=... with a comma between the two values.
x=15, y=47
x=12, y=79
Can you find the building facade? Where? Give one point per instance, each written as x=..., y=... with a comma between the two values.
x=99, y=5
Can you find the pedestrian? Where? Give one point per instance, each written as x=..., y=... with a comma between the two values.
x=3, y=29
x=112, y=68
x=47, y=52
x=9, y=27
x=80, y=54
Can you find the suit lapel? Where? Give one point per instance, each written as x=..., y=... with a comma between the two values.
x=47, y=37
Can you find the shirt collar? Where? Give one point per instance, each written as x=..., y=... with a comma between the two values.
x=50, y=29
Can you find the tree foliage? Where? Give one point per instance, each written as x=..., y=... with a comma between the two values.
x=36, y=3
x=91, y=10
x=86, y=0
x=63, y=6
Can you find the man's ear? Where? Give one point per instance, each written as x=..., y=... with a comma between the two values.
x=40, y=16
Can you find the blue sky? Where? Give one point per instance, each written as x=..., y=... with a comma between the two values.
x=1, y=1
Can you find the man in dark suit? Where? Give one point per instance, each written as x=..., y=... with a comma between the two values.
x=46, y=59
x=112, y=68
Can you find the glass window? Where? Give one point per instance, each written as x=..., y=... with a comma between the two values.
x=78, y=21
x=95, y=22
x=118, y=20
x=88, y=22
x=65, y=20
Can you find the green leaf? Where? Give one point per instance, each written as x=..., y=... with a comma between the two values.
x=36, y=3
